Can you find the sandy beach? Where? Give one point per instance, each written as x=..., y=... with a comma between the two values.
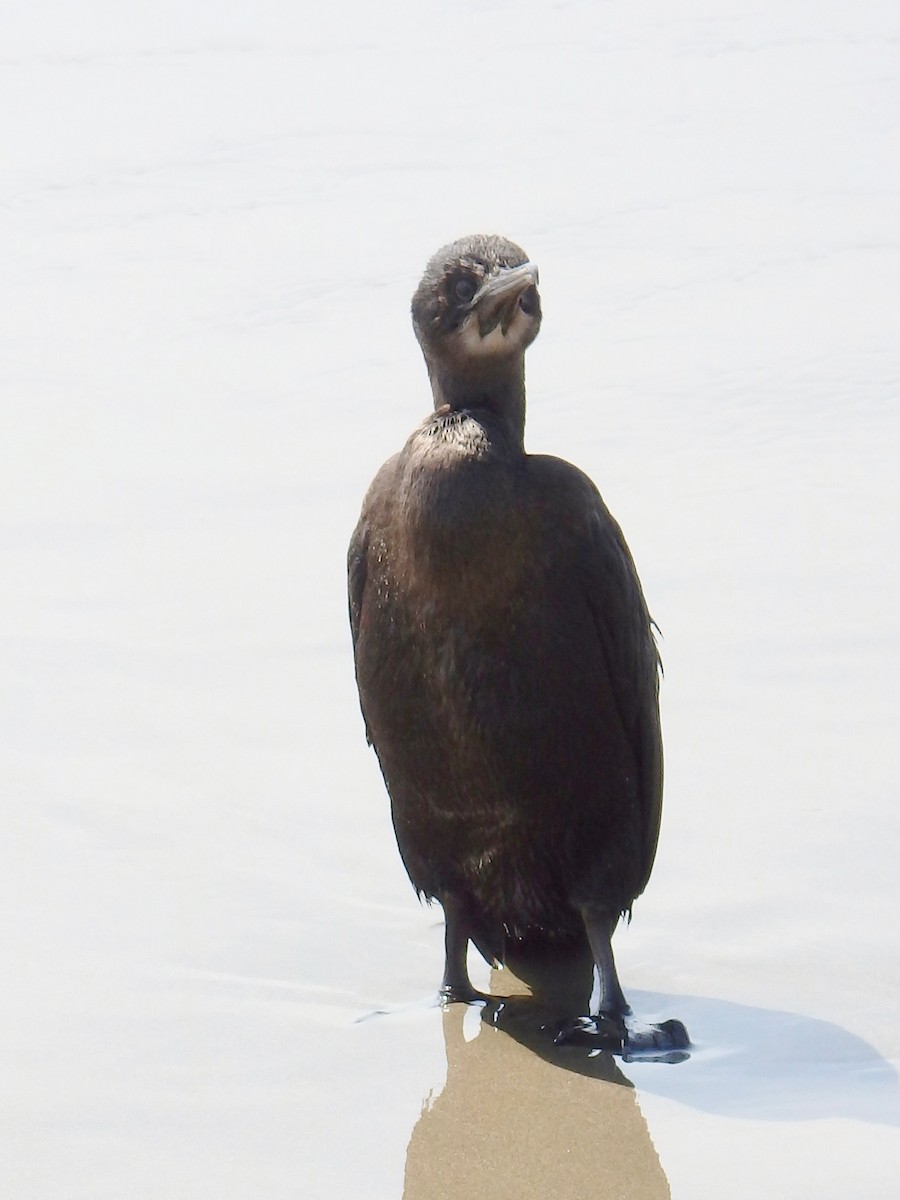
x=218, y=981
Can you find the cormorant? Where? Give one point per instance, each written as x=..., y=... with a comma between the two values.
x=505, y=660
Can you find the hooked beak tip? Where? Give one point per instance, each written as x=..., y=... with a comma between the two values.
x=503, y=294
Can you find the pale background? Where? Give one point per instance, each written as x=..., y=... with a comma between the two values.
x=212, y=218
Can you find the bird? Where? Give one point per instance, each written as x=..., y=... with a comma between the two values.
x=505, y=658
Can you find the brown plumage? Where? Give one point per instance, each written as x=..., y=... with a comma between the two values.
x=506, y=665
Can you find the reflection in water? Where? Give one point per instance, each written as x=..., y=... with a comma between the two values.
x=521, y=1118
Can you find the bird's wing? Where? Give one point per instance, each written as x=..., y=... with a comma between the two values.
x=356, y=574
x=625, y=632
x=366, y=536
x=357, y=571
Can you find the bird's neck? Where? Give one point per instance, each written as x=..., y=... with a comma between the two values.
x=497, y=392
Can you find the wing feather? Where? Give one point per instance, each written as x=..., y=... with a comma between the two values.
x=625, y=631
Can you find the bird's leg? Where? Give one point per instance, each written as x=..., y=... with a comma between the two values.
x=605, y=1026
x=456, y=985
x=599, y=925
x=612, y=1025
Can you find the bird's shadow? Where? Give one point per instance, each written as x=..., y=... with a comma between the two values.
x=574, y=1112
x=767, y=1064
x=744, y=1061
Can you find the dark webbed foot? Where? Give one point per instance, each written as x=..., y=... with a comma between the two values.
x=666, y=1042
x=623, y=1035
x=615, y=1028
x=461, y=993
x=597, y=1033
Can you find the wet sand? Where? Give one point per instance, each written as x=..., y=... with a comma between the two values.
x=217, y=980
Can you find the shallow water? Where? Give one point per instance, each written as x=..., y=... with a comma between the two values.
x=218, y=980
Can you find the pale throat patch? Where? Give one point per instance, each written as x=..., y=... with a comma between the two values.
x=496, y=342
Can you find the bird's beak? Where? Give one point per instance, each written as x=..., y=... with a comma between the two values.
x=497, y=300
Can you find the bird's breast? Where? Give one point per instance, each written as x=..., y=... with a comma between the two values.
x=461, y=545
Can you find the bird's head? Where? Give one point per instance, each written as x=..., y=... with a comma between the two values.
x=477, y=309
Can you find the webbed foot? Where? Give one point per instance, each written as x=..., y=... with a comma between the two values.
x=461, y=994
x=668, y=1041
x=622, y=1035
x=597, y=1033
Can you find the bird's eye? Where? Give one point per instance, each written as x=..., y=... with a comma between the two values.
x=464, y=289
